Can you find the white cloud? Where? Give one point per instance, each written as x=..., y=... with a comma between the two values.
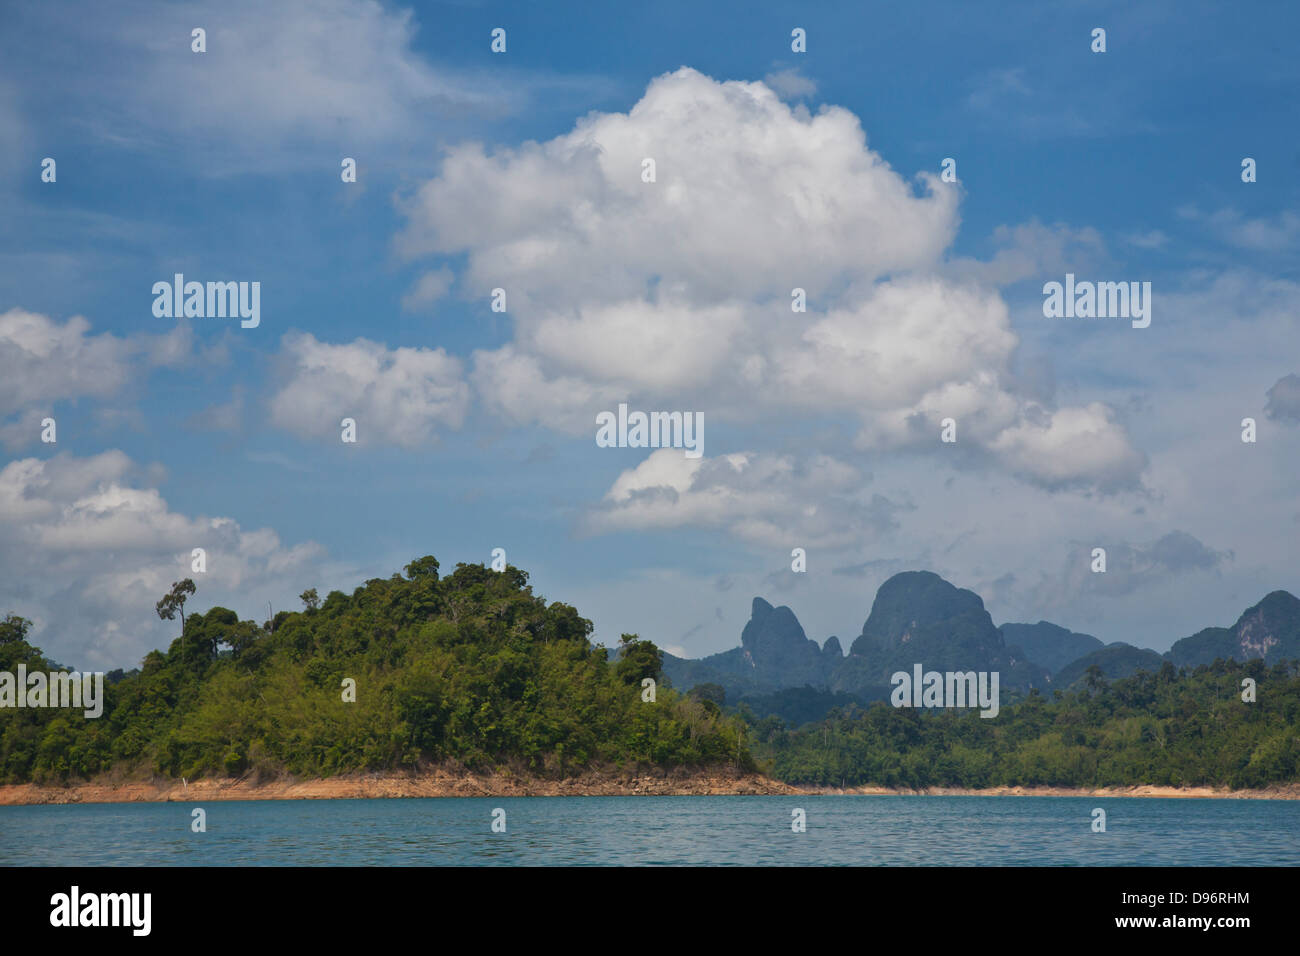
x=275, y=82
x=428, y=289
x=513, y=385
x=1131, y=568
x=751, y=198
x=223, y=417
x=1155, y=239
x=1261, y=234
x=676, y=293
x=1265, y=234
x=900, y=342
x=1072, y=446
x=88, y=550
x=43, y=362
x=1032, y=250
x=770, y=500
x=791, y=84
x=398, y=397
x=664, y=345
x=322, y=66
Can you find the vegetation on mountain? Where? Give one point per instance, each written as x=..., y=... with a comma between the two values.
x=473, y=670
x=470, y=669
x=1270, y=630
x=1049, y=644
x=1113, y=661
x=1168, y=728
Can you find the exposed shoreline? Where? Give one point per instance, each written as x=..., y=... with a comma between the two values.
x=460, y=783
x=1289, y=791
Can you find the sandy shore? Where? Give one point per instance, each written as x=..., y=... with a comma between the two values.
x=456, y=783
x=1286, y=792
x=434, y=783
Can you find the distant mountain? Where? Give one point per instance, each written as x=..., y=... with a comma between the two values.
x=1270, y=630
x=832, y=652
x=797, y=706
x=774, y=642
x=919, y=618
x=1049, y=644
x=1115, y=660
x=774, y=654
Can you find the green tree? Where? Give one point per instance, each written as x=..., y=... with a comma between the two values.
x=14, y=629
x=1095, y=678
x=173, y=602
x=425, y=567
x=638, y=660
x=711, y=692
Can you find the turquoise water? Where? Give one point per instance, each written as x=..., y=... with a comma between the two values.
x=745, y=831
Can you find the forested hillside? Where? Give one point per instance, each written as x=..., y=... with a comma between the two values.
x=471, y=668
x=1172, y=728
x=474, y=670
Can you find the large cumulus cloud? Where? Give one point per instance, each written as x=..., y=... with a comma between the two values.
x=676, y=294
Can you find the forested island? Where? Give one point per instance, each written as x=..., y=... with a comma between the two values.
x=472, y=673
x=470, y=668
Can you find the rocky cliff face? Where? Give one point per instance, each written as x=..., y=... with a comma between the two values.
x=777, y=645
x=774, y=653
x=1269, y=630
x=919, y=618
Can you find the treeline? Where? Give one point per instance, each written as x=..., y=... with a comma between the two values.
x=1172, y=728
x=471, y=669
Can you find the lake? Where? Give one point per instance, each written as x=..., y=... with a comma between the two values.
x=660, y=831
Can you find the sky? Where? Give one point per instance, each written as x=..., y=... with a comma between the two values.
x=524, y=170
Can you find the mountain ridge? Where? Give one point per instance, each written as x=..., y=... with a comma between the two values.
x=919, y=617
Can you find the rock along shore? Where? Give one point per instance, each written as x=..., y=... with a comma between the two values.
x=503, y=783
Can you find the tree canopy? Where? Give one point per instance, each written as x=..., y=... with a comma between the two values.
x=471, y=669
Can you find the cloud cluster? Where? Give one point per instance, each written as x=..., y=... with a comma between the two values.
x=677, y=292
x=88, y=547
x=428, y=289
x=790, y=83
x=751, y=198
x=1265, y=234
x=1135, y=567
x=769, y=500
x=397, y=396
x=43, y=361
x=1032, y=250
x=342, y=73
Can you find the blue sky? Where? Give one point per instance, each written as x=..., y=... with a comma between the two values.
x=777, y=169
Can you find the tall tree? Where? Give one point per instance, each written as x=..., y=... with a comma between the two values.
x=173, y=602
x=638, y=659
x=14, y=629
